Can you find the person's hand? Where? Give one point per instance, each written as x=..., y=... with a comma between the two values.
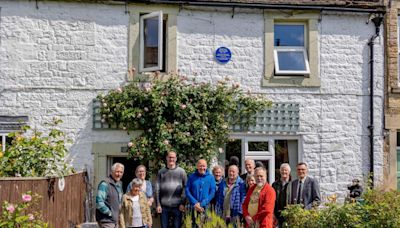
x=159, y=210
x=198, y=208
x=249, y=220
x=182, y=208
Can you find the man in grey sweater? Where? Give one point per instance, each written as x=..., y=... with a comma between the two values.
x=170, y=192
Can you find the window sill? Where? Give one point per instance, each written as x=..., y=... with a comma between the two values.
x=291, y=81
x=396, y=90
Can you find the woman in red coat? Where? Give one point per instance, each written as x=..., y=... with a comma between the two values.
x=258, y=207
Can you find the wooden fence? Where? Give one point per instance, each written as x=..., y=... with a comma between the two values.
x=62, y=209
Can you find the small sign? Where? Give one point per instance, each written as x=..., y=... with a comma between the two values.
x=223, y=55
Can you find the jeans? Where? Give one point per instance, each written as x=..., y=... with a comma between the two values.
x=168, y=213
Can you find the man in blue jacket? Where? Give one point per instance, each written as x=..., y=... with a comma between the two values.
x=200, y=188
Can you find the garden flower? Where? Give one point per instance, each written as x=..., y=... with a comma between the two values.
x=166, y=142
x=187, y=133
x=31, y=217
x=149, y=130
x=130, y=144
x=1, y=153
x=139, y=115
x=183, y=106
x=104, y=104
x=119, y=90
x=146, y=109
x=10, y=208
x=26, y=198
x=221, y=150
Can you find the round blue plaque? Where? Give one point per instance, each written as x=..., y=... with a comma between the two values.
x=223, y=55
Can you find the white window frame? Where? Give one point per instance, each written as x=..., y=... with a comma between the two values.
x=159, y=66
x=3, y=141
x=278, y=71
x=303, y=49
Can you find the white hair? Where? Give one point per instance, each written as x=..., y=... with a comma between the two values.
x=115, y=165
x=285, y=165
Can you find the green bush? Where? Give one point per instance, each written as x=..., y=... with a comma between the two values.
x=36, y=155
x=376, y=209
x=211, y=221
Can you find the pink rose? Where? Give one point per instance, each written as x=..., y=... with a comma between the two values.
x=119, y=90
x=26, y=198
x=183, y=106
x=130, y=144
x=166, y=142
x=146, y=109
x=31, y=217
x=10, y=208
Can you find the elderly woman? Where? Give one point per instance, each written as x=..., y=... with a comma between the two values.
x=146, y=187
x=218, y=173
x=250, y=180
x=281, y=186
x=135, y=211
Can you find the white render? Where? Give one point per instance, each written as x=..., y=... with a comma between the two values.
x=55, y=60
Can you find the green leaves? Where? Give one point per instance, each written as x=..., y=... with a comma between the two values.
x=190, y=118
x=376, y=209
x=36, y=154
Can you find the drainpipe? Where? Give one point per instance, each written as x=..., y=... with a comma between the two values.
x=377, y=20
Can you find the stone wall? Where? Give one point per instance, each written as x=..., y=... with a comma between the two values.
x=54, y=60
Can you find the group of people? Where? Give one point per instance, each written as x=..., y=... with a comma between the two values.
x=240, y=200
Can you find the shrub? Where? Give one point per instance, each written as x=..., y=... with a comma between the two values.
x=22, y=215
x=191, y=118
x=376, y=209
x=36, y=155
x=211, y=221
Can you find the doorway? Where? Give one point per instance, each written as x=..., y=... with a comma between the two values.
x=129, y=171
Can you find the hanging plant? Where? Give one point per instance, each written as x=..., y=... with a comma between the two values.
x=190, y=118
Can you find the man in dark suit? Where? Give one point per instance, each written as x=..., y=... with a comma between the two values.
x=304, y=190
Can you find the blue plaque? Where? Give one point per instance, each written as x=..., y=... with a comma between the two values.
x=223, y=55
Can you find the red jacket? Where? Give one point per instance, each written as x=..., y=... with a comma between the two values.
x=266, y=204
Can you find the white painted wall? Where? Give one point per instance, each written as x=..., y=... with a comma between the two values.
x=54, y=60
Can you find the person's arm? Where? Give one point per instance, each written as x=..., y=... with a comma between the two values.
x=266, y=205
x=102, y=192
x=184, y=183
x=211, y=193
x=242, y=190
x=121, y=219
x=189, y=195
x=245, y=205
x=148, y=212
x=315, y=194
x=149, y=193
x=157, y=189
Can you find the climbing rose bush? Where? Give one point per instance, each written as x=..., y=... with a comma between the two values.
x=181, y=115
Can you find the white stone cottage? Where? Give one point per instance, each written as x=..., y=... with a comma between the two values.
x=311, y=60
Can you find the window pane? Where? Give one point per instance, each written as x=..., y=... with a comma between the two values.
x=258, y=146
x=233, y=149
x=150, y=42
x=289, y=35
x=291, y=60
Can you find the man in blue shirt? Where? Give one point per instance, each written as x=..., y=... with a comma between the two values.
x=200, y=188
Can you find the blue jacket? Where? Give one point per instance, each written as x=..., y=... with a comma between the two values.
x=200, y=188
x=237, y=197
